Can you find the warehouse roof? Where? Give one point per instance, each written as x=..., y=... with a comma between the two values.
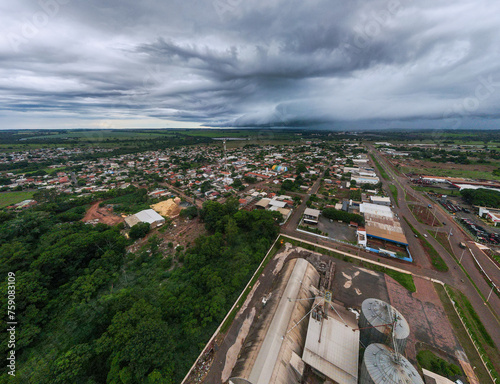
x=312, y=212
x=263, y=202
x=332, y=346
x=149, y=216
x=381, y=223
x=268, y=355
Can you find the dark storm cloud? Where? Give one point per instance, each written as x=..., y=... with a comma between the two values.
x=247, y=63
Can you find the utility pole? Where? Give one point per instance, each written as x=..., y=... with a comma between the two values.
x=449, y=234
x=460, y=261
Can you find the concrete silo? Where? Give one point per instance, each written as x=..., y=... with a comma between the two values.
x=381, y=365
x=377, y=321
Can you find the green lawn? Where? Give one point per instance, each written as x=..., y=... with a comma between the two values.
x=9, y=198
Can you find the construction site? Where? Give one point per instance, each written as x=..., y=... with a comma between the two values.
x=312, y=319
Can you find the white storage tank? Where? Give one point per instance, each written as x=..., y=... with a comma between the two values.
x=376, y=324
x=382, y=365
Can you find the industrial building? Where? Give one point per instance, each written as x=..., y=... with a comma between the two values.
x=332, y=345
x=147, y=216
x=380, y=200
x=380, y=223
x=382, y=365
x=279, y=336
x=311, y=216
x=380, y=322
x=302, y=332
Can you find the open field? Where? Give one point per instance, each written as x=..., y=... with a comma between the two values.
x=9, y=198
x=471, y=171
x=441, y=191
x=98, y=135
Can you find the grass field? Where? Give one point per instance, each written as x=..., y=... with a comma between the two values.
x=98, y=135
x=465, y=173
x=383, y=173
x=9, y=198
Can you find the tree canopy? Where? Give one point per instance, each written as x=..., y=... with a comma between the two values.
x=91, y=312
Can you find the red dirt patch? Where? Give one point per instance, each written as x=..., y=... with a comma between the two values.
x=424, y=215
x=103, y=215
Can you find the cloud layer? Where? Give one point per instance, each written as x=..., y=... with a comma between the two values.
x=317, y=63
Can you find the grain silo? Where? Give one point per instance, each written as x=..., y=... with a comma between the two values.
x=376, y=324
x=382, y=365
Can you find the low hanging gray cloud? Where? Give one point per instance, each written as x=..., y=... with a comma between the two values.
x=326, y=64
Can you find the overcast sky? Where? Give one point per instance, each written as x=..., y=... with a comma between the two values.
x=304, y=63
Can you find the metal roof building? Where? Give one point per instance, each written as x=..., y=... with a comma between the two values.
x=434, y=378
x=380, y=223
x=376, y=324
x=381, y=365
x=332, y=346
x=311, y=215
x=272, y=350
x=147, y=216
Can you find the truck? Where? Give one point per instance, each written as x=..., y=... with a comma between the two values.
x=462, y=245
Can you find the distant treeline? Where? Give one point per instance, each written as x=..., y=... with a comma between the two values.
x=482, y=197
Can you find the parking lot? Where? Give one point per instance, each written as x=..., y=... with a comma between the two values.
x=483, y=235
x=336, y=230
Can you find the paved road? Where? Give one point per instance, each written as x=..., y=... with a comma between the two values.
x=455, y=276
x=423, y=267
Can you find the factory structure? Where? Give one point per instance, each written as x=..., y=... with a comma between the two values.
x=380, y=223
x=303, y=335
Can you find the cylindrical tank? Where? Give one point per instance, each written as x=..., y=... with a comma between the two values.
x=381, y=365
x=376, y=322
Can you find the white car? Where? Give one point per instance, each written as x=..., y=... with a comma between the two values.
x=425, y=234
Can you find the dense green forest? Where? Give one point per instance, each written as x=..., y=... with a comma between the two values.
x=481, y=196
x=91, y=312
